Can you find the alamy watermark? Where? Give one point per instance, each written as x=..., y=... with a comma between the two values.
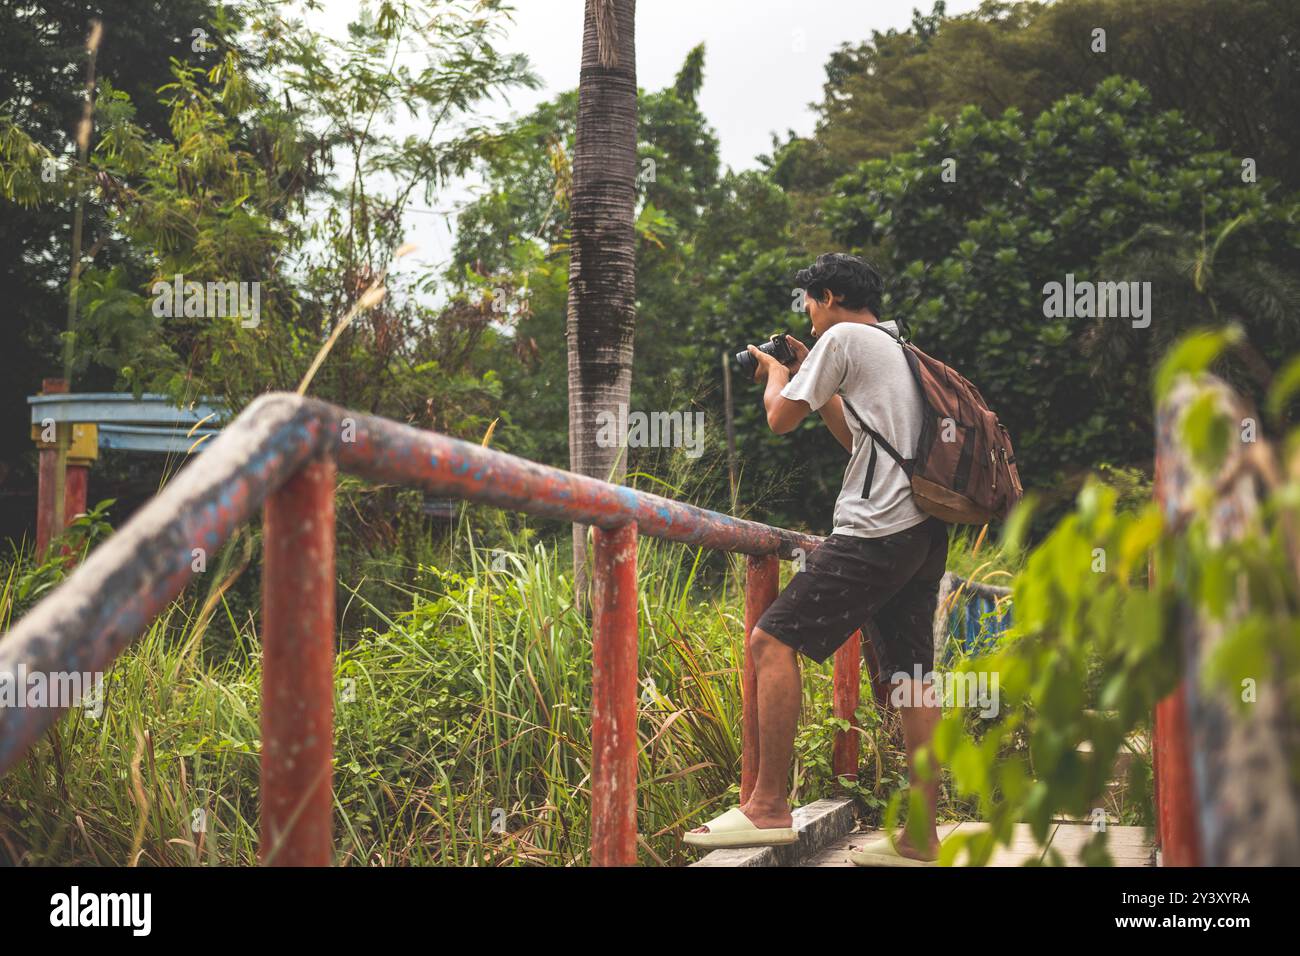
x=208, y=300
x=59, y=690
x=1084, y=299
x=126, y=910
x=651, y=430
x=975, y=689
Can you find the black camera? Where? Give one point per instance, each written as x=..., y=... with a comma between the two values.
x=777, y=347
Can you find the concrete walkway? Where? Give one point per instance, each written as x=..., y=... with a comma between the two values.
x=1128, y=846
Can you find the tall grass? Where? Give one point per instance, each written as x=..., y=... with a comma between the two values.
x=463, y=728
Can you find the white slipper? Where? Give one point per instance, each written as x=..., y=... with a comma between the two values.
x=883, y=853
x=733, y=828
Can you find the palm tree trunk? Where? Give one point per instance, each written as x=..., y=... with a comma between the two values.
x=602, y=250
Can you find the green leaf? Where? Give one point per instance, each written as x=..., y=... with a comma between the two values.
x=1194, y=354
x=1285, y=385
x=1206, y=430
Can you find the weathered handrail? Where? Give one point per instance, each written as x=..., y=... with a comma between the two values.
x=280, y=453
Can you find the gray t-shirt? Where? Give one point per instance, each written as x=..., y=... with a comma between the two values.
x=868, y=369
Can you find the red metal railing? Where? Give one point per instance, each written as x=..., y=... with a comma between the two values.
x=1171, y=752
x=281, y=455
x=76, y=482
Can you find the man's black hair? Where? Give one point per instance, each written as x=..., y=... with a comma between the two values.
x=843, y=275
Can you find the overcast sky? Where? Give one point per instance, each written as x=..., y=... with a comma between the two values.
x=764, y=59
x=764, y=64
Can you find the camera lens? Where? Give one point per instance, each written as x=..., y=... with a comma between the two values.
x=777, y=347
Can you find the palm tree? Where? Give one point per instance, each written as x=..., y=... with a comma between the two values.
x=602, y=250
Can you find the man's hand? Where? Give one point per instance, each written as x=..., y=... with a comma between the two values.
x=800, y=353
x=765, y=363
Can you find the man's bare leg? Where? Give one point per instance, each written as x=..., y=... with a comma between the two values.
x=777, y=668
x=918, y=729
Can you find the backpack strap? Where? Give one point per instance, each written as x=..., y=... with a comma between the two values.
x=896, y=336
x=906, y=464
x=877, y=439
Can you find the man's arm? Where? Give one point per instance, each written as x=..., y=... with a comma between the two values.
x=783, y=414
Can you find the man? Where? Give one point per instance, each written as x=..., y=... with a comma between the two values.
x=883, y=561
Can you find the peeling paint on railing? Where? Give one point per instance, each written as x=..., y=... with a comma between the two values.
x=110, y=599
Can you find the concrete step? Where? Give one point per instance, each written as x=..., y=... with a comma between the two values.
x=818, y=824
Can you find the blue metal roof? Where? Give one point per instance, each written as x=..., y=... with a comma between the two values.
x=157, y=440
x=150, y=423
x=122, y=408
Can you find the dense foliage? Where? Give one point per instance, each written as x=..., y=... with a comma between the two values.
x=1029, y=203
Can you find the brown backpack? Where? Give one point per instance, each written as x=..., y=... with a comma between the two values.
x=965, y=470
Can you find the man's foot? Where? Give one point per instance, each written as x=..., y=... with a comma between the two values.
x=929, y=852
x=768, y=817
x=735, y=829
x=885, y=851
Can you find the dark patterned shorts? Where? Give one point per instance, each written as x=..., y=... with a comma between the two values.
x=849, y=582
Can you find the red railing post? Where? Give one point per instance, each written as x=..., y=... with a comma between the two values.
x=48, y=462
x=298, y=670
x=1171, y=750
x=76, y=483
x=845, y=694
x=762, y=581
x=1175, y=789
x=48, y=525
x=614, y=697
